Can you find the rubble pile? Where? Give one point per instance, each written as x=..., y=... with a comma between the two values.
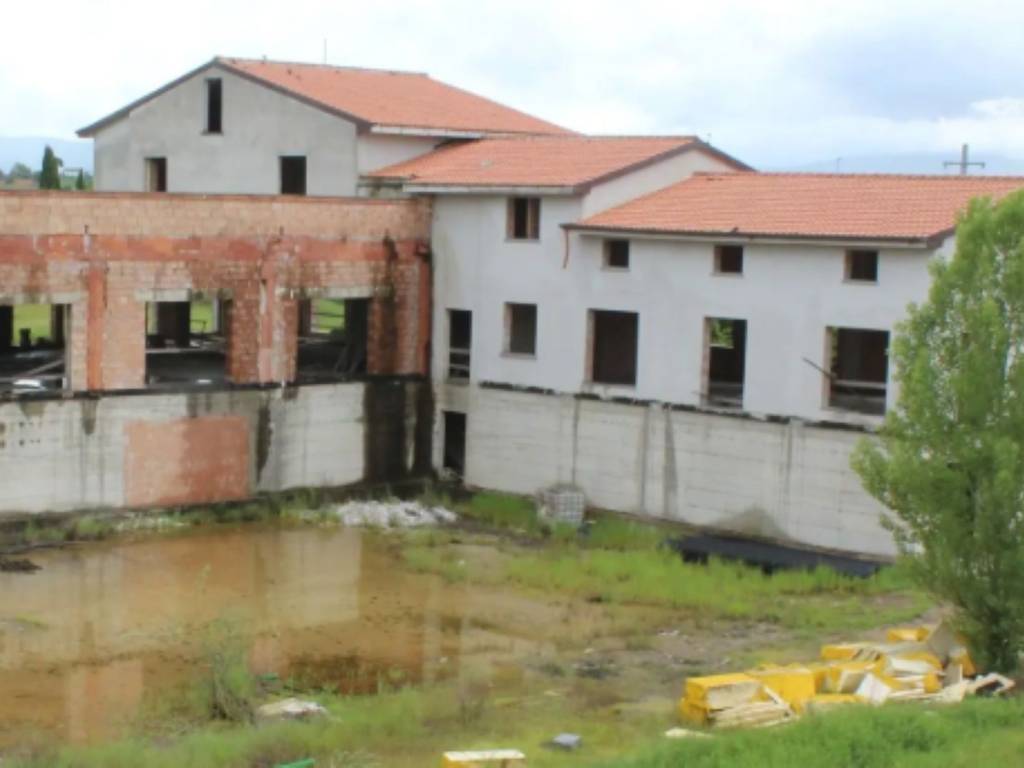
x=392, y=514
x=930, y=664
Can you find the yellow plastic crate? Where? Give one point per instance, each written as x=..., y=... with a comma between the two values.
x=488, y=758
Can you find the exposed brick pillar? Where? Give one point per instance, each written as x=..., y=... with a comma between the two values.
x=6, y=328
x=382, y=344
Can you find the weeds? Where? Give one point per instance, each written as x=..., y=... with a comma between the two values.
x=227, y=690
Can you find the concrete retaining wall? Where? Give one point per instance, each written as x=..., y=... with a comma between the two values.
x=783, y=480
x=143, y=450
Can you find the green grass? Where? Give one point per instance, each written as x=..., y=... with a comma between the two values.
x=35, y=317
x=804, y=600
x=976, y=733
x=502, y=510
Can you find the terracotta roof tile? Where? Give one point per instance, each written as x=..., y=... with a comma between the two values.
x=392, y=99
x=858, y=206
x=537, y=161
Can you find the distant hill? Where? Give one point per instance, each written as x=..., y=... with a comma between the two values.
x=918, y=162
x=76, y=153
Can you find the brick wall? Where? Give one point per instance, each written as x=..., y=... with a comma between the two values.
x=106, y=255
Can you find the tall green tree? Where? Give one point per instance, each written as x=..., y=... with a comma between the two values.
x=949, y=460
x=80, y=181
x=49, y=177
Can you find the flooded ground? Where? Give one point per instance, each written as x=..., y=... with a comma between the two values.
x=104, y=627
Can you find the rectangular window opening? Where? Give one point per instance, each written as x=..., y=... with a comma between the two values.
x=33, y=348
x=333, y=339
x=454, y=459
x=156, y=174
x=613, y=345
x=616, y=254
x=460, y=339
x=725, y=354
x=862, y=266
x=186, y=342
x=293, y=175
x=521, y=329
x=858, y=369
x=214, y=105
x=729, y=259
x=523, y=218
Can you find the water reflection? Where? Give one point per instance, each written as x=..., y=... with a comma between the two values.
x=83, y=639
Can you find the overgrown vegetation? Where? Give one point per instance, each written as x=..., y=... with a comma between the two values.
x=950, y=459
x=977, y=733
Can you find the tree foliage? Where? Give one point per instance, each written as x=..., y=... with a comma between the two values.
x=49, y=178
x=949, y=460
x=20, y=171
x=80, y=181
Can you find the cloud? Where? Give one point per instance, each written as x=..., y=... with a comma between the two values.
x=774, y=83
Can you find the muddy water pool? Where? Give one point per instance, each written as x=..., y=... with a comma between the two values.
x=103, y=628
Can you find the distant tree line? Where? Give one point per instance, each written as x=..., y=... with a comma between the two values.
x=49, y=176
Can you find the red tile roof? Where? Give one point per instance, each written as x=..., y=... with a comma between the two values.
x=372, y=97
x=394, y=99
x=539, y=161
x=805, y=205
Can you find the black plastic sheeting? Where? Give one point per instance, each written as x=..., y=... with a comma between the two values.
x=770, y=556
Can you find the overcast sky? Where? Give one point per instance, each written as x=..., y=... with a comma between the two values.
x=776, y=83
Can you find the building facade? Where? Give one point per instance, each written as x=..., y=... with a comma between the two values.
x=645, y=318
x=237, y=126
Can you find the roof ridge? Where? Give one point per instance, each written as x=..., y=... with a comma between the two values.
x=322, y=65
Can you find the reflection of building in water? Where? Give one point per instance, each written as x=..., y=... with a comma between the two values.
x=99, y=700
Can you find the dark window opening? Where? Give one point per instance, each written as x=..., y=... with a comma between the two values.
x=729, y=259
x=214, y=105
x=333, y=339
x=862, y=265
x=156, y=174
x=521, y=329
x=858, y=369
x=614, y=347
x=460, y=339
x=293, y=175
x=726, y=353
x=455, y=442
x=524, y=218
x=616, y=254
x=186, y=342
x=33, y=349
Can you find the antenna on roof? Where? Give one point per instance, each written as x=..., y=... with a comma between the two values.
x=963, y=163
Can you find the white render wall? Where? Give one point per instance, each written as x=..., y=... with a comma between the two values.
x=789, y=481
x=788, y=294
x=259, y=126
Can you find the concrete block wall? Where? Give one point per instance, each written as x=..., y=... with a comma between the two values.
x=145, y=450
x=787, y=481
x=106, y=255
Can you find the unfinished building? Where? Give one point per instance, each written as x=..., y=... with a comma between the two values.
x=152, y=348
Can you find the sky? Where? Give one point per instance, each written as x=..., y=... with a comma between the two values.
x=777, y=84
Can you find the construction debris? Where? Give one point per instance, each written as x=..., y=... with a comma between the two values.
x=490, y=758
x=930, y=664
x=290, y=709
x=567, y=741
x=392, y=514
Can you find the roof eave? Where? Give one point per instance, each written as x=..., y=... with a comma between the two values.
x=917, y=243
x=93, y=128
x=537, y=190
